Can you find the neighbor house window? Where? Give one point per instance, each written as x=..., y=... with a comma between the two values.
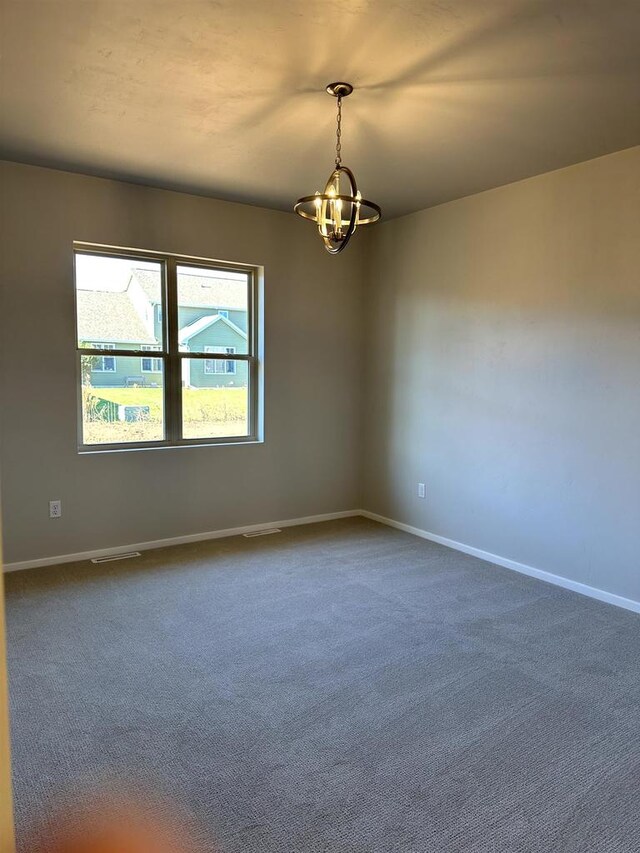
x=104, y=363
x=215, y=365
x=149, y=364
x=142, y=382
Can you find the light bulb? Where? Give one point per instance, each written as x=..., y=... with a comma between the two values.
x=339, y=216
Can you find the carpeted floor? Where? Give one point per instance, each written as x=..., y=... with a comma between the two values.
x=337, y=688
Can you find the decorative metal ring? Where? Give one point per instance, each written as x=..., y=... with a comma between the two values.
x=363, y=202
x=334, y=246
x=377, y=212
x=320, y=216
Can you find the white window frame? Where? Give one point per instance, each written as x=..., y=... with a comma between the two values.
x=216, y=367
x=173, y=355
x=103, y=358
x=156, y=363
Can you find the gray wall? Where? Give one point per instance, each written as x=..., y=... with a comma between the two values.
x=502, y=368
x=310, y=462
x=504, y=371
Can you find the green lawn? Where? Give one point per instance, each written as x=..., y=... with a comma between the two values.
x=199, y=404
x=207, y=413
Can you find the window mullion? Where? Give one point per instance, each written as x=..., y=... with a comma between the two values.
x=173, y=389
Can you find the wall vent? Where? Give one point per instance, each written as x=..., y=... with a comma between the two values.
x=110, y=559
x=262, y=532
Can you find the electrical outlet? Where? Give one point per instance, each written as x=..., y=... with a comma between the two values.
x=55, y=509
x=421, y=490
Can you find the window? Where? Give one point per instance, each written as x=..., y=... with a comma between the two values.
x=104, y=363
x=193, y=378
x=149, y=364
x=214, y=365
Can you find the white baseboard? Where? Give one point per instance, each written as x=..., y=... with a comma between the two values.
x=548, y=577
x=522, y=568
x=175, y=540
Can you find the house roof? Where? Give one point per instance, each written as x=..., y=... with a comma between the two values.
x=198, y=291
x=203, y=323
x=107, y=315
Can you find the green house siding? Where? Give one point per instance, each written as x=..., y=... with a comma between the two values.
x=128, y=371
x=201, y=379
x=239, y=318
x=158, y=322
x=187, y=315
x=218, y=334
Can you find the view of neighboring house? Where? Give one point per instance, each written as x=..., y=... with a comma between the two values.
x=212, y=317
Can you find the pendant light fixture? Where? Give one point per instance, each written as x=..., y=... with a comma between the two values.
x=340, y=208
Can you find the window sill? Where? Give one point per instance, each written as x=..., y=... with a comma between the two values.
x=93, y=451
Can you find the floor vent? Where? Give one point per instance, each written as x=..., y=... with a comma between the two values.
x=262, y=532
x=126, y=556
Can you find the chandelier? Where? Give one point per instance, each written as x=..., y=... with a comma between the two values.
x=340, y=208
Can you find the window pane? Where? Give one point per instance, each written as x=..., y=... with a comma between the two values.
x=148, y=364
x=119, y=302
x=121, y=405
x=212, y=309
x=215, y=398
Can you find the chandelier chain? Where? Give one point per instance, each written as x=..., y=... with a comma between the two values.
x=339, y=133
x=340, y=209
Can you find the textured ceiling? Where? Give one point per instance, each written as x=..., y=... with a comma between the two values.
x=227, y=98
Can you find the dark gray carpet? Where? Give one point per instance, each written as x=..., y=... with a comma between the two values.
x=337, y=687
